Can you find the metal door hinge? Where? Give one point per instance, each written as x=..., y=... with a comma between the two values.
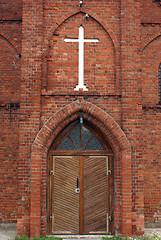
x=108, y=171
x=108, y=223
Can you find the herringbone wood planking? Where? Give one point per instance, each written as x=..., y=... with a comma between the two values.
x=95, y=194
x=66, y=201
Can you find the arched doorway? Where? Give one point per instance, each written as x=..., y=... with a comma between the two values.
x=39, y=211
x=80, y=182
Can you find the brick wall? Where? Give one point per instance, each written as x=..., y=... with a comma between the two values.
x=10, y=64
x=151, y=59
x=11, y=10
x=63, y=58
x=121, y=73
x=151, y=157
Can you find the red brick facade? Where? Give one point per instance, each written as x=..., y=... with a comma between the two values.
x=39, y=72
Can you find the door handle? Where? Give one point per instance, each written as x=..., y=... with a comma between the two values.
x=77, y=182
x=77, y=189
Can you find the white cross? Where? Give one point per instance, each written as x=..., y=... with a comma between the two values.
x=81, y=41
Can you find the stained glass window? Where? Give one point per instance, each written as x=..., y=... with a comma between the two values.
x=94, y=144
x=66, y=144
x=75, y=135
x=80, y=138
x=86, y=135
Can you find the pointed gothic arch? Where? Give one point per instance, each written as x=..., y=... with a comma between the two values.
x=91, y=14
x=56, y=26
x=121, y=147
x=149, y=40
x=10, y=41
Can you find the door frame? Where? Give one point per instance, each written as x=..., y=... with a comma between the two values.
x=41, y=147
x=110, y=187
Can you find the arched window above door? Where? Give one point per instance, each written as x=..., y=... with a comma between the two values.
x=80, y=138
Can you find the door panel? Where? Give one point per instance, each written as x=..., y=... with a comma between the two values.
x=65, y=203
x=95, y=193
x=85, y=212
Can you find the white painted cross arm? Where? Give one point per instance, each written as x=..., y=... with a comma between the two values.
x=71, y=40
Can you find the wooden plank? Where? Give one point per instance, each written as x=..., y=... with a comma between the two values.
x=81, y=196
x=95, y=194
x=108, y=172
x=111, y=194
x=65, y=201
x=49, y=199
x=90, y=217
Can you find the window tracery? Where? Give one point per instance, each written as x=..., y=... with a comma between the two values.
x=80, y=138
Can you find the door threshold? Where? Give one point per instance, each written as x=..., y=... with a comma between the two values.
x=72, y=236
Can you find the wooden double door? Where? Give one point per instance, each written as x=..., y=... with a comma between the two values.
x=80, y=194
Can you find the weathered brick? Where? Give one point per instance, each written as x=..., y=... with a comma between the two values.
x=121, y=73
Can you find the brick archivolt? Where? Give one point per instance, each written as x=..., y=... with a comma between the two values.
x=10, y=41
x=62, y=20
x=121, y=147
x=91, y=14
x=149, y=40
x=70, y=112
